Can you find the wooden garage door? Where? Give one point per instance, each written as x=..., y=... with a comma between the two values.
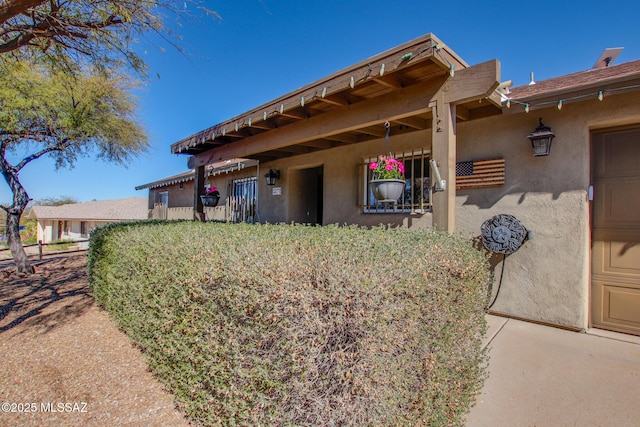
x=615, y=284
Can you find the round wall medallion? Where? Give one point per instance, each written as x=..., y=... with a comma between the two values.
x=503, y=234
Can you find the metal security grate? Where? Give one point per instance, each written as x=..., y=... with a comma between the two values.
x=243, y=199
x=416, y=197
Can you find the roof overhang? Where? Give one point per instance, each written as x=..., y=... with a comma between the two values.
x=589, y=84
x=352, y=106
x=219, y=168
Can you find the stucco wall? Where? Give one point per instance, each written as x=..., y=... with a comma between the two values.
x=342, y=184
x=177, y=196
x=181, y=199
x=548, y=278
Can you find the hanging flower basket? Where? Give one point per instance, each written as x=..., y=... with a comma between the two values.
x=387, y=190
x=210, y=201
x=211, y=197
x=388, y=183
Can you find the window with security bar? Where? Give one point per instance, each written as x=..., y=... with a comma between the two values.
x=243, y=199
x=416, y=196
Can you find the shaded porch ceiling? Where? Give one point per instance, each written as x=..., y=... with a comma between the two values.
x=348, y=107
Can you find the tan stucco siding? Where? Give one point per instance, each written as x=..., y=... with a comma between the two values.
x=342, y=184
x=548, y=278
x=181, y=200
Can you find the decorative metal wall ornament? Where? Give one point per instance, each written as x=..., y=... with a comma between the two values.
x=503, y=234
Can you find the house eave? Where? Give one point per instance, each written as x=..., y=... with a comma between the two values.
x=211, y=170
x=596, y=89
x=416, y=63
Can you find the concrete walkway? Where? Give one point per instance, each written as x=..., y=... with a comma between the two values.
x=543, y=376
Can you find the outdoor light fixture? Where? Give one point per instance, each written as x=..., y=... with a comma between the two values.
x=272, y=176
x=541, y=140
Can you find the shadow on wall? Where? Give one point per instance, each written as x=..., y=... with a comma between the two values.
x=488, y=197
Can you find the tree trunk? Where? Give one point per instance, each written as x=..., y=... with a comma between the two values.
x=14, y=212
x=15, y=244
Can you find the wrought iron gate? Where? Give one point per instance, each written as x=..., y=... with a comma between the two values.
x=243, y=199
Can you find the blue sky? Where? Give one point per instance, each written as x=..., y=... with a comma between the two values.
x=262, y=49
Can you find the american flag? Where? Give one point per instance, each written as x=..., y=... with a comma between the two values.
x=479, y=174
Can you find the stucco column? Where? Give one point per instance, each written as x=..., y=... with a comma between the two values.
x=198, y=189
x=443, y=151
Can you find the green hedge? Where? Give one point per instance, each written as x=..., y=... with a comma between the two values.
x=296, y=325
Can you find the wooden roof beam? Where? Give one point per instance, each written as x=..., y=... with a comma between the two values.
x=430, y=48
x=413, y=122
x=318, y=143
x=263, y=125
x=395, y=105
x=344, y=138
x=389, y=80
x=473, y=83
x=380, y=133
x=296, y=149
x=339, y=100
x=295, y=114
x=468, y=84
x=462, y=113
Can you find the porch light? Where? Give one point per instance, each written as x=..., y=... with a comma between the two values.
x=541, y=140
x=272, y=176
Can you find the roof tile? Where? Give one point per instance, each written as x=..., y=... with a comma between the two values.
x=575, y=80
x=133, y=208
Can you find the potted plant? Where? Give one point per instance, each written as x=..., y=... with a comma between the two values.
x=211, y=196
x=387, y=183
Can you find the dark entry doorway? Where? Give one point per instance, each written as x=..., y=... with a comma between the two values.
x=306, y=195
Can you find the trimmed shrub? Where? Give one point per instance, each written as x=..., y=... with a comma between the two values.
x=295, y=325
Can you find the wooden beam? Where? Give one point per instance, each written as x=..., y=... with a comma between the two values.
x=338, y=100
x=443, y=150
x=396, y=105
x=472, y=83
x=468, y=84
x=318, y=143
x=198, y=189
x=389, y=80
x=297, y=149
x=462, y=113
x=295, y=114
x=413, y=122
x=371, y=130
x=263, y=125
x=344, y=138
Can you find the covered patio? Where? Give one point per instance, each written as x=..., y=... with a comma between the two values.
x=417, y=86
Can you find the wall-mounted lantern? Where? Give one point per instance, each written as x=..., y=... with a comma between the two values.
x=541, y=140
x=272, y=176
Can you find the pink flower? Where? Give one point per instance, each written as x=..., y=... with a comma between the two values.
x=387, y=167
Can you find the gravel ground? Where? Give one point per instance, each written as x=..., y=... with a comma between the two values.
x=63, y=361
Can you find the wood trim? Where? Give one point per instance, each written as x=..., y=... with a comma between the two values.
x=475, y=82
x=396, y=105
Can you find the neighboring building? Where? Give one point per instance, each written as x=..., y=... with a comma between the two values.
x=578, y=206
x=76, y=220
x=173, y=197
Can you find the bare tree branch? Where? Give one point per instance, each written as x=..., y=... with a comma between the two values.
x=11, y=8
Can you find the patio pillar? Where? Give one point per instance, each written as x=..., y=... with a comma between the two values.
x=198, y=188
x=443, y=151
